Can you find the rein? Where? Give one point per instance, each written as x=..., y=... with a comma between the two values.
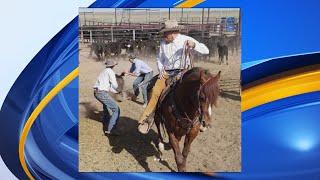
x=199, y=112
x=186, y=52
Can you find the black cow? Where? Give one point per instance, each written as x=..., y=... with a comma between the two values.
x=150, y=48
x=222, y=52
x=112, y=49
x=98, y=49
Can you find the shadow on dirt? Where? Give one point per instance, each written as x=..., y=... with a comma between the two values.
x=234, y=95
x=138, y=145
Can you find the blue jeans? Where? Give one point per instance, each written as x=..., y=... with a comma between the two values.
x=144, y=79
x=108, y=103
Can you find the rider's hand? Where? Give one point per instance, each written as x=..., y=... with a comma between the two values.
x=191, y=44
x=162, y=74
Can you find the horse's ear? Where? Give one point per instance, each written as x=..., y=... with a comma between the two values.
x=203, y=76
x=218, y=75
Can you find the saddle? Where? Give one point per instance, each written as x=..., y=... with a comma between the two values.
x=170, y=84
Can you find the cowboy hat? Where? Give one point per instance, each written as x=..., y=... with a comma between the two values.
x=170, y=25
x=110, y=63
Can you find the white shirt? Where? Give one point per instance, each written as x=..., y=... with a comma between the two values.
x=139, y=67
x=107, y=81
x=170, y=54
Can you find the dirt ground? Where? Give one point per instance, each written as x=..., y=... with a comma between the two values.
x=216, y=150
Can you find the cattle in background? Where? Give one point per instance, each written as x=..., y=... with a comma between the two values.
x=222, y=52
x=138, y=46
x=98, y=48
x=148, y=48
x=211, y=43
x=112, y=49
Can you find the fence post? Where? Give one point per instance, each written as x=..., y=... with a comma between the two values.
x=134, y=34
x=112, y=34
x=90, y=36
x=81, y=36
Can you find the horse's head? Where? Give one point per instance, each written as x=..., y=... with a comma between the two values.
x=208, y=95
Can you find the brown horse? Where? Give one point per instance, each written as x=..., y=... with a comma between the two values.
x=185, y=108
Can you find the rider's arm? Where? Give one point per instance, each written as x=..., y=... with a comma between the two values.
x=199, y=47
x=131, y=74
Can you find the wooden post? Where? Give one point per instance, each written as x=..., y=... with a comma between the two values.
x=115, y=15
x=169, y=14
x=208, y=16
x=146, y=16
x=91, y=36
x=202, y=29
x=81, y=36
x=134, y=34
x=85, y=21
x=112, y=40
x=129, y=17
x=181, y=18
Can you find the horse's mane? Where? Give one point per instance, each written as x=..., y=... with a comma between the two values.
x=210, y=88
x=194, y=71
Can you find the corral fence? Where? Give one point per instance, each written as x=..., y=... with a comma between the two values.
x=112, y=25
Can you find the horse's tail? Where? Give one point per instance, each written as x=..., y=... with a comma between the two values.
x=163, y=129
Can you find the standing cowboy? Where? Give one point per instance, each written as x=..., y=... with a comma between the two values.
x=143, y=73
x=106, y=83
x=171, y=61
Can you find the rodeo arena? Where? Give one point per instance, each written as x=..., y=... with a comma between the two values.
x=109, y=35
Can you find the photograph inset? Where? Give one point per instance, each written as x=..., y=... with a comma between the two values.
x=159, y=90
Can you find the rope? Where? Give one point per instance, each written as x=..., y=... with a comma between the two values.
x=185, y=54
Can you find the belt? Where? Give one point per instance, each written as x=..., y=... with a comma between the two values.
x=96, y=89
x=173, y=72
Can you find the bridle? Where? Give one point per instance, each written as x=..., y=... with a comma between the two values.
x=199, y=112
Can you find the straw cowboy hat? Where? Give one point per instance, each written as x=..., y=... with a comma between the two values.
x=110, y=63
x=171, y=25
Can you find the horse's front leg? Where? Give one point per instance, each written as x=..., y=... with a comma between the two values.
x=174, y=141
x=187, y=143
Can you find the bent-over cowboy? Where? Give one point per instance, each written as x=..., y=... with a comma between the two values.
x=144, y=74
